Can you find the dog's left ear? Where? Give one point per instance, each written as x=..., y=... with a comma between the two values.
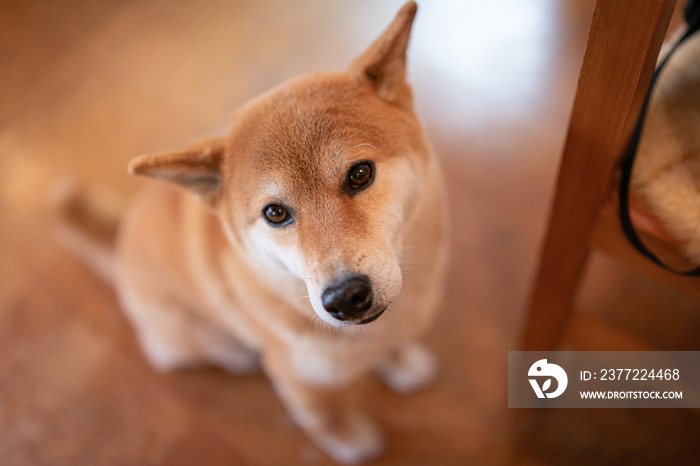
x=197, y=168
x=383, y=64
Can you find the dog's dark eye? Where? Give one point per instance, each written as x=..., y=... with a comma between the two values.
x=360, y=176
x=276, y=215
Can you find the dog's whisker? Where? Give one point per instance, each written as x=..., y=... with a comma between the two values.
x=320, y=326
x=327, y=329
x=402, y=263
x=345, y=152
x=317, y=321
x=406, y=268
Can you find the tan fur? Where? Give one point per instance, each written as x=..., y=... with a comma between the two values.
x=205, y=279
x=667, y=168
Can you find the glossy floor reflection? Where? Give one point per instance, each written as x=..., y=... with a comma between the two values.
x=87, y=87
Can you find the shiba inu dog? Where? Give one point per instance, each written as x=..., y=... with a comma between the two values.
x=310, y=240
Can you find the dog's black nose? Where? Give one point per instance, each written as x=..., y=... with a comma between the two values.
x=349, y=299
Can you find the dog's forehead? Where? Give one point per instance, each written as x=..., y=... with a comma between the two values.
x=296, y=144
x=309, y=121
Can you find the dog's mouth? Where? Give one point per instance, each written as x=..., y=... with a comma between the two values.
x=372, y=318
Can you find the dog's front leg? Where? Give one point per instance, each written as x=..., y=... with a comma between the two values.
x=408, y=367
x=328, y=414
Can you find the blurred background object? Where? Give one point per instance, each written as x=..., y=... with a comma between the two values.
x=87, y=85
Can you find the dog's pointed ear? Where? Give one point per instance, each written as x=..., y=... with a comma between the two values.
x=197, y=168
x=383, y=64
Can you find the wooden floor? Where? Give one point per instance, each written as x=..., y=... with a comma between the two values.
x=86, y=87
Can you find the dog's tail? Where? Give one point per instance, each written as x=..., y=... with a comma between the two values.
x=86, y=223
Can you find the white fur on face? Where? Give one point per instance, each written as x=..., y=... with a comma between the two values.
x=333, y=254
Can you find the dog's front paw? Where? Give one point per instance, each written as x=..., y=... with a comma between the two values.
x=353, y=440
x=240, y=362
x=408, y=368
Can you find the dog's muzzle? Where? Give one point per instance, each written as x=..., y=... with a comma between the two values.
x=351, y=299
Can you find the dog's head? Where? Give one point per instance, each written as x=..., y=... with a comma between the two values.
x=318, y=177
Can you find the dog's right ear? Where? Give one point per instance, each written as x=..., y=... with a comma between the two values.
x=197, y=168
